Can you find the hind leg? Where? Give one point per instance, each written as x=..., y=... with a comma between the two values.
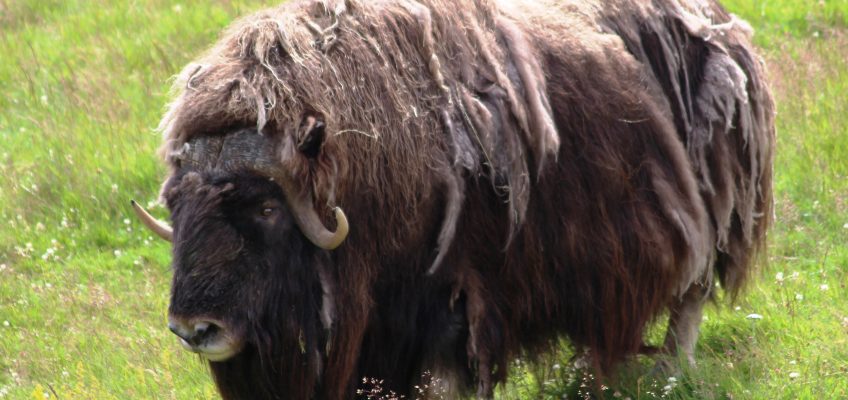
x=684, y=323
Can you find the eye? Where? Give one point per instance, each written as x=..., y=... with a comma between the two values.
x=267, y=211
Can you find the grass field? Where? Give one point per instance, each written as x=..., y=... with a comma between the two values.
x=83, y=287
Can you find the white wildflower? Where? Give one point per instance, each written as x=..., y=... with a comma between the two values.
x=793, y=375
x=799, y=296
x=737, y=308
x=824, y=287
x=6, y=323
x=117, y=253
x=779, y=277
x=754, y=316
x=23, y=252
x=126, y=221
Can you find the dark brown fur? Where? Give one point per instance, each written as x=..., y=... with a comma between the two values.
x=513, y=172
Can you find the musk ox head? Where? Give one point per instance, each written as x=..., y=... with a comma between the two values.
x=248, y=256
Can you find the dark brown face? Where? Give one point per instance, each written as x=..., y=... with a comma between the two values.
x=245, y=284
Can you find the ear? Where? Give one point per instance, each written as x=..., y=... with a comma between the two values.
x=312, y=134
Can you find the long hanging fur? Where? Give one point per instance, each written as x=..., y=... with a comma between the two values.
x=558, y=167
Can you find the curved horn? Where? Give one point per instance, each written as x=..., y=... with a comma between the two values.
x=312, y=227
x=160, y=228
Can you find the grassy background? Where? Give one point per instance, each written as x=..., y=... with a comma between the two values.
x=83, y=287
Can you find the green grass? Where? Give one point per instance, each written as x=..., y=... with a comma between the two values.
x=776, y=19
x=84, y=289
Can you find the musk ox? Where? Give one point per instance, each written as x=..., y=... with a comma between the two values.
x=385, y=188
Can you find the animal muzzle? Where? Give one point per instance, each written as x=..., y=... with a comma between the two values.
x=206, y=337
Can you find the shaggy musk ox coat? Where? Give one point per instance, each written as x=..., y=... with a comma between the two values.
x=513, y=172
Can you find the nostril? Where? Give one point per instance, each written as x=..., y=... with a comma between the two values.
x=204, y=330
x=193, y=332
x=201, y=327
